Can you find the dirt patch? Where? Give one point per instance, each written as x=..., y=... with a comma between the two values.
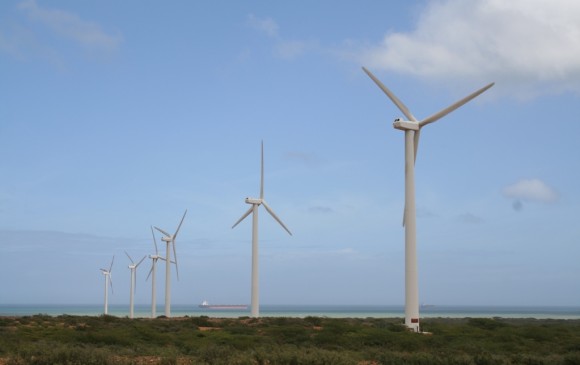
x=209, y=328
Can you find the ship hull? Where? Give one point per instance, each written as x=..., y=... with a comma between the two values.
x=223, y=306
x=206, y=305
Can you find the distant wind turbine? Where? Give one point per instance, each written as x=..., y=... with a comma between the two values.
x=412, y=128
x=254, y=210
x=108, y=281
x=170, y=241
x=154, y=259
x=133, y=268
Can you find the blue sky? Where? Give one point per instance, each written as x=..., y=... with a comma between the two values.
x=115, y=116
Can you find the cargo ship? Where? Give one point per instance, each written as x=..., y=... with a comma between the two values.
x=205, y=304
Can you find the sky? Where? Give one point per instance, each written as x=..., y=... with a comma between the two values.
x=119, y=115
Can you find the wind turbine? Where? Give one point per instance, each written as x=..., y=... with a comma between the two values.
x=412, y=128
x=255, y=203
x=108, y=281
x=133, y=268
x=170, y=241
x=154, y=259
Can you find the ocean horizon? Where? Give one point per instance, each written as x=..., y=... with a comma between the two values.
x=332, y=311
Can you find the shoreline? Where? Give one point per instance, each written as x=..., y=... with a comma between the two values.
x=302, y=311
x=396, y=320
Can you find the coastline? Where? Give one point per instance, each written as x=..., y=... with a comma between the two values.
x=301, y=311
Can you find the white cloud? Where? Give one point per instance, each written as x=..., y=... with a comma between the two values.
x=68, y=25
x=533, y=190
x=528, y=47
x=292, y=49
x=470, y=218
x=266, y=25
x=346, y=251
x=283, y=48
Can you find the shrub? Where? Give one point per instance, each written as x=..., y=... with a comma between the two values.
x=314, y=321
x=201, y=321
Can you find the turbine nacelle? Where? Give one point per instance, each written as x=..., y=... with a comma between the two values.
x=406, y=125
x=254, y=201
x=134, y=265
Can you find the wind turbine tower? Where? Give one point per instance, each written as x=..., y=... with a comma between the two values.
x=133, y=268
x=255, y=203
x=170, y=241
x=108, y=281
x=412, y=128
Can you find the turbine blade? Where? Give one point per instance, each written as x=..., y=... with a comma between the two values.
x=391, y=96
x=452, y=107
x=275, y=217
x=175, y=255
x=179, y=226
x=129, y=257
x=111, y=267
x=244, y=216
x=162, y=231
x=404, y=214
x=111, y=282
x=154, y=241
x=139, y=263
x=416, y=143
x=262, y=174
x=150, y=271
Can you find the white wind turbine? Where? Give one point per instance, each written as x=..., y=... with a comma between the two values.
x=133, y=268
x=170, y=241
x=412, y=128
x=108, y=281
x=254, y=210
x=152, y=272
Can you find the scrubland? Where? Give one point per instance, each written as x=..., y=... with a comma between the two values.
x=70, y=340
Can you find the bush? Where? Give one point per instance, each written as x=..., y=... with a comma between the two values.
x=314, y=321
x=201, y=321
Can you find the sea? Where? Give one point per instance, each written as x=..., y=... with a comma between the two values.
x=300, y=311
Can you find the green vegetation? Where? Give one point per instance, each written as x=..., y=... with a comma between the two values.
x=71, y=340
